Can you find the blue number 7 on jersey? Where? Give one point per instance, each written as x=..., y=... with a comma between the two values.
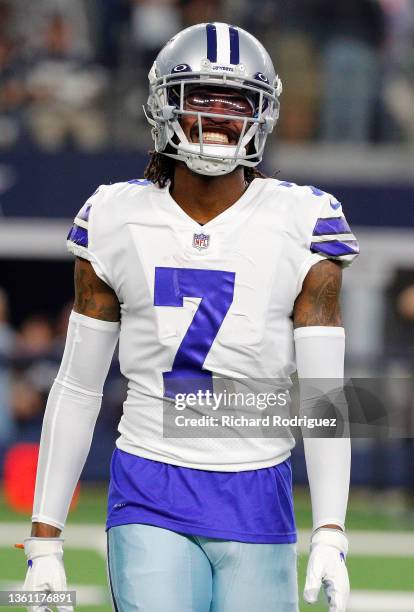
x=216, y=289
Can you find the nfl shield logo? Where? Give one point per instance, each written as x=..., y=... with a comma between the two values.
x=201, y=241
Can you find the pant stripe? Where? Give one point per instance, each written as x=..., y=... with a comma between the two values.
x=109, y=574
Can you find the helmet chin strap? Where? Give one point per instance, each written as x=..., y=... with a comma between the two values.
x=208, y=165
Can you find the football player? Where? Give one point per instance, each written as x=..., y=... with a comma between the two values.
x=204, y=270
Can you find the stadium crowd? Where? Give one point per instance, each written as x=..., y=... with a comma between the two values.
x=74, y=72
x=30, y=355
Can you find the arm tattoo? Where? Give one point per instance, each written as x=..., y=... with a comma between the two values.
x=93, y=297
x=318, y=302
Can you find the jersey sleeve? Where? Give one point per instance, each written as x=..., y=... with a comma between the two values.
x=85, y=225
x=332, y=238
x=78, y=237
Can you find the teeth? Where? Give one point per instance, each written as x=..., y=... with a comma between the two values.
x=215, y=137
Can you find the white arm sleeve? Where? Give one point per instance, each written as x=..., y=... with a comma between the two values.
x=320, y=355
x=71, y=412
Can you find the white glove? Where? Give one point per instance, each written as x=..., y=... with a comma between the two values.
x=326, y=566
x=45, y=570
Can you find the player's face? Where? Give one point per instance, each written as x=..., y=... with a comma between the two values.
x=219, y=100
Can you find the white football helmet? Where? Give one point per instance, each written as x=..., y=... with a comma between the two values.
x=222, y=56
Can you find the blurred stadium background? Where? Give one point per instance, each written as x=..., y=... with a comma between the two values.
x=73, y=77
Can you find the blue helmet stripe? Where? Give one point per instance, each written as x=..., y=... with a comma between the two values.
x=234, y=45
x=211, y=42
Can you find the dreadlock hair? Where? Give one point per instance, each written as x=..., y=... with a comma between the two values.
x=160, y=170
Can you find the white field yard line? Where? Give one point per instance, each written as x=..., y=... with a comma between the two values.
x=371, y=543
x=93, y=536
x=381, y=601
x=360, y=601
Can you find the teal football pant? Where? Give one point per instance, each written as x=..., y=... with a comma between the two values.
x=157, y=570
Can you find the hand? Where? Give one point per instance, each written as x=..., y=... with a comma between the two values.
x=326, y=567
x=45, y=571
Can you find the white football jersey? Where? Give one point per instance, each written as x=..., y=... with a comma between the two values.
x=216, y=299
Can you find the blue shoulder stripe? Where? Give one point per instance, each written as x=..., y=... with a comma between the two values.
x=139, y=182
x=335, y=248
x=316, y=191
x=331, y=225
x=286, y=184
x=78, y=235
x=84, y=212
